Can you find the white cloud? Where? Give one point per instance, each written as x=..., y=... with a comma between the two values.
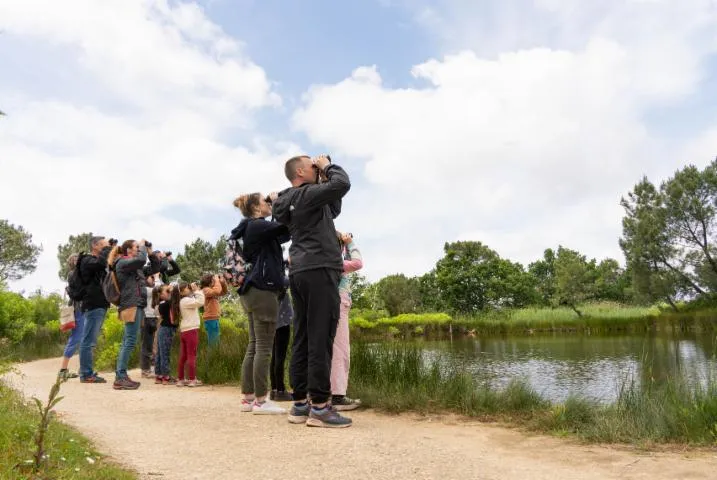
x=520, y=147
x=168, y=84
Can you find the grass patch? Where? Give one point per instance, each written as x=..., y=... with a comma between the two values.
x=396, y=378
x=68, y=451
x=604, y=317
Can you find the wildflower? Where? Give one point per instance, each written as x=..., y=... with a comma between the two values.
x=63, y=459
x=77, y=469
x=90, y=460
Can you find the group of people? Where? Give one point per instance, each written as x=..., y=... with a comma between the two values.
x=314, y=299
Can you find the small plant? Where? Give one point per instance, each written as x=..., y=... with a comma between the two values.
x=44, y=411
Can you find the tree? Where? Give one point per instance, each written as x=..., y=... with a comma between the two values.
x=574, y=281
x=544, y=273
x=18, y=255
x=75, y=244
x=657, y=262
x=399, y=294
x=359, y=288
x=201, y=257
x=472, y=277
x=611, y=281
x=431, y=297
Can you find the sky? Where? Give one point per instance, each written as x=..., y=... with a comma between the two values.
x=516, y=123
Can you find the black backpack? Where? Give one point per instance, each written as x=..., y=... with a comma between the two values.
x=76, y=287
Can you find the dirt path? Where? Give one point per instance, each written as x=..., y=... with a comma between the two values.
x=181, y=433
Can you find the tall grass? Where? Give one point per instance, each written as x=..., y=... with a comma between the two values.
x=398, y=377
x=67, y=451
x=221, y=364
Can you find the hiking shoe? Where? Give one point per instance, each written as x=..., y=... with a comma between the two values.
x=327, y=417
x=125, y=384
x=181, y=383
x=66, y=374
x=94, y=378
x=281, y=396
x=246, y=405
x=299, y=413
x=267, y=408
x=169, y=381
x=195, y=383
x=158, y=380
x=147, y=374
x=342, y=403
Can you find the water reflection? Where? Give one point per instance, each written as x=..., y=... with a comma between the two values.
x=586, y=365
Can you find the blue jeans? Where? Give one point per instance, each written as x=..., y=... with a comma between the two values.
x=164, y=349
x=129, y=340
x=212, y=328
x=76, y=335
x=91, y=331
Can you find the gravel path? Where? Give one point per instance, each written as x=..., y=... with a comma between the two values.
x=182, y=433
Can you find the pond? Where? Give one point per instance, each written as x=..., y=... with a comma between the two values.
x=590, y=366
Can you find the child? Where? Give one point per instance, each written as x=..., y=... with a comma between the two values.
x=186, y=300
x=213, y=287
x=149, y=328
x=165, y=334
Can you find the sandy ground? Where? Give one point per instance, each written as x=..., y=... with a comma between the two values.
x=182, y=433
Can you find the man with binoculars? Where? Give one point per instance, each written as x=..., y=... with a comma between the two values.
x=309, y=208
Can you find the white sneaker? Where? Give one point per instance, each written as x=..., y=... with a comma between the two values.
x=267, y=408
x=246, y=406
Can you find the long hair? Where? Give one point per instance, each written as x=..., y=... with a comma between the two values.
x=156, y=291
x=119, y=250
x=175, y=299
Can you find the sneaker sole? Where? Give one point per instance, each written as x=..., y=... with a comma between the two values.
x=298, y=419
x=315, y=422
x=347, y=408
x=117, y=387
x=245, y=409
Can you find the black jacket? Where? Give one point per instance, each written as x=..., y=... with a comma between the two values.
x=309, y=211
x=92, y=272
x=168, y=268
x=262, y=249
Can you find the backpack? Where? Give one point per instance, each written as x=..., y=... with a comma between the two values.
x=76, y=288
x=235, y=266
x=110, y=286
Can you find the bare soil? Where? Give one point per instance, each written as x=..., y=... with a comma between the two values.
x=183, y=433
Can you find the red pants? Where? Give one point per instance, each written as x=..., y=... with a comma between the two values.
x=188, y=342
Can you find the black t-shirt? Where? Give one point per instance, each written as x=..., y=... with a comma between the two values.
x=164, y=312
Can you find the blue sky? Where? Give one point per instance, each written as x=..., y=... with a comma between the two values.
x=517, y=123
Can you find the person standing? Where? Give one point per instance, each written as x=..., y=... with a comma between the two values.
x=93, y=268
x=73, y=342
x=128, y=261
x=341, y=358
x=149, y=328
x=309, y=208
x=259, y=296
x=214, y=287
x=281, y=345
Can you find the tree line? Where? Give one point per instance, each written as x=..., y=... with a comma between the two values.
x=668, y=239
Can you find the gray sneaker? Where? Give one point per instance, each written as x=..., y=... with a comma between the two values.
x=298, y=415
x=327, y=417
x=344, y=404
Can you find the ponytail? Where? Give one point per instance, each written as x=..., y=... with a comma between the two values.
x=155, y=295
x=174, y=311
x=114, y=254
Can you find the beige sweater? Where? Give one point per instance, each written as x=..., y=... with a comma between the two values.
x=189, y=309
